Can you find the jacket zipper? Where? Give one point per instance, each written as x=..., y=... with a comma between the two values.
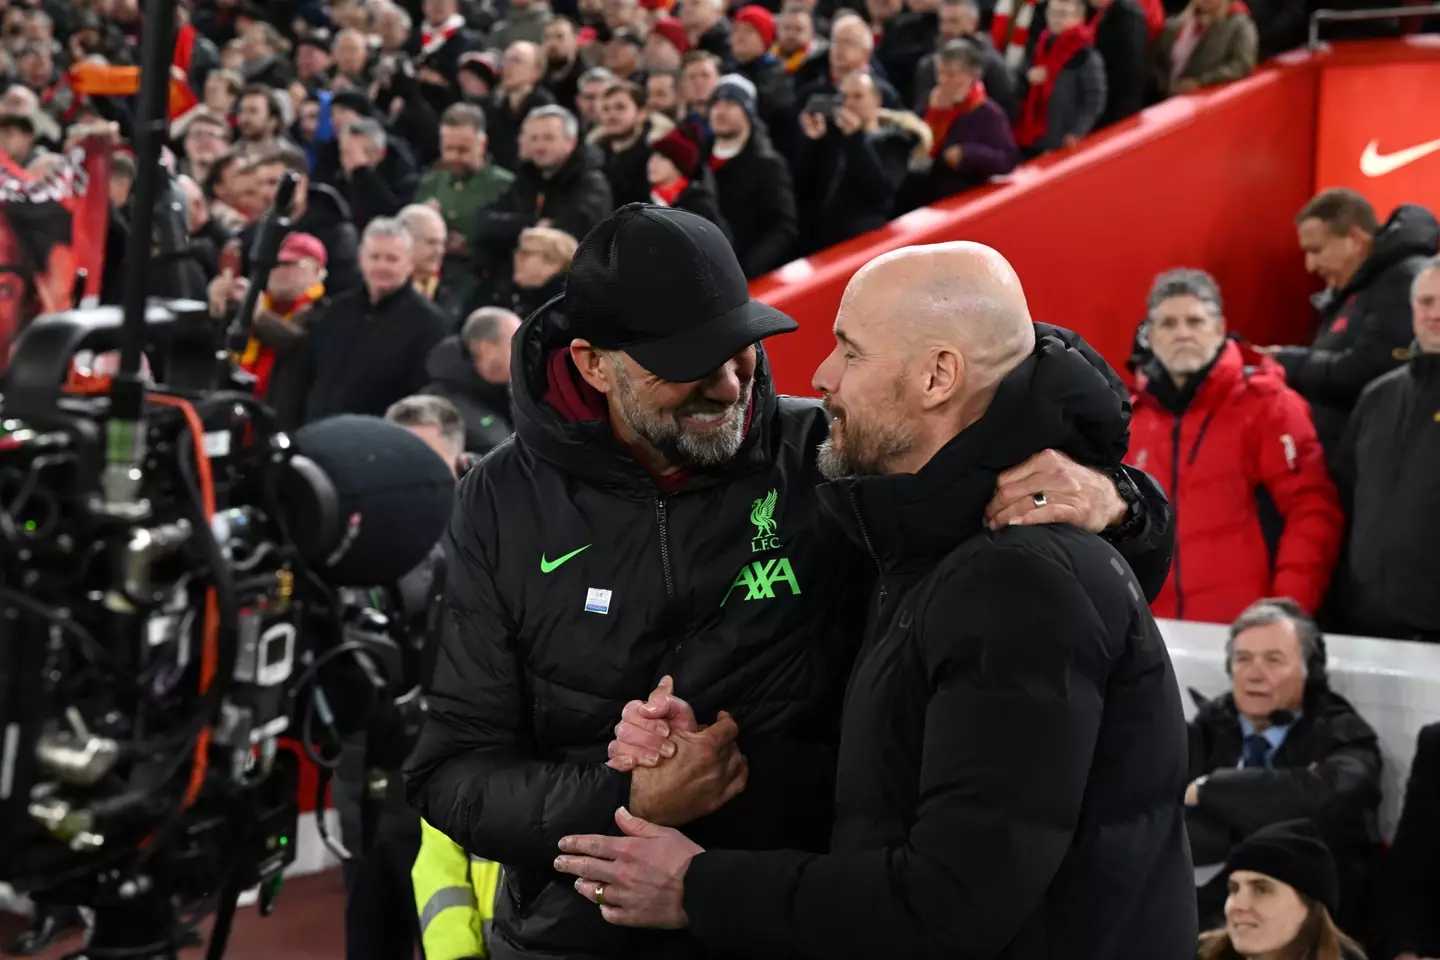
x=1175, y=510
x=665, y=556
x=865, y=536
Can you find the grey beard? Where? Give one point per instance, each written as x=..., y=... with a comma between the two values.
x=677, y=446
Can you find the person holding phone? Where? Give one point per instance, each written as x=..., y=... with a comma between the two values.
x=853, y=160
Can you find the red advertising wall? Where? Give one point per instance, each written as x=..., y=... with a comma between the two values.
x=1211, y=181
x=1379, y=132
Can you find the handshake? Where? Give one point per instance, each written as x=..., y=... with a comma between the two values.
x=680, y=771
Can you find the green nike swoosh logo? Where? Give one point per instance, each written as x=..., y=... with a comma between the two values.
x=548, y=566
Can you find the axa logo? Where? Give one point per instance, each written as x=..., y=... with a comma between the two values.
x=762, y=514
x=1373, y=163
x=761, y=578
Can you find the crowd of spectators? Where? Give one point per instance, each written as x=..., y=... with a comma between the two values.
x=1304, y=471
x=792, y=126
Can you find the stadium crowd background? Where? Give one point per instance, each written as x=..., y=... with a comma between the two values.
x=451, y=155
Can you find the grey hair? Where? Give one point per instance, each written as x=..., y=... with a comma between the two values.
x=568, y=123
x=597, y=75
x=382, y=228
x=483, y=326
x=1263, y=613
x=1425, y=267
x=423, y=410
x=416, y=212
x=1186, y=283
x=371, y=130
x=962, y=54
x=402, y=15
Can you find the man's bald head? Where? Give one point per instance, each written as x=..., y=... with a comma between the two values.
x=960, y=295
x=923, y=336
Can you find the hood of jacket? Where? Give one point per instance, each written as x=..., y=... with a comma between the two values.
x=1235, y=362
x=450, y=365
x=324, y=208
x=579, y=439
x=1411, y=231
x=1063, y=397
x=903, y=121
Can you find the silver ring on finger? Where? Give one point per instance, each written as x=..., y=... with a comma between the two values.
x=600, y=894
x=1039, y=499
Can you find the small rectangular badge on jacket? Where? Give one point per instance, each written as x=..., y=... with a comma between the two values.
x=597, y=600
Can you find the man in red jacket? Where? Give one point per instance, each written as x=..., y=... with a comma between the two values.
x=1235, y=449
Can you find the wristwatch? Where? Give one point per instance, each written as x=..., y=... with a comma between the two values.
x=1134, y=509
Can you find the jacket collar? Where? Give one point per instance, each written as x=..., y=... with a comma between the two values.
x=588, y=448
x=1055, y=399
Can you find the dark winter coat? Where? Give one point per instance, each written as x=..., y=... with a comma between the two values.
x=757, y=201
x=484, y=406
x=987, y=149
x=1409, y=919
x=905, y=40
x=1076, y=102
x=384, y=189
x=502, y=126
x=574, y=199
x=774, y=99
x=1123, y=40
x=1326, y=770
x=1364, y=327
x=1009, y=765
x=1389, y=472
x=327, y=219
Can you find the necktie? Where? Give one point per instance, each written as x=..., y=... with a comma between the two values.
x=1256, y=751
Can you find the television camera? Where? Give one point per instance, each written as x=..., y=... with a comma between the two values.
x=182, y=585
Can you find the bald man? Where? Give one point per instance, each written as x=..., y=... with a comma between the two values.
x=1012, y=746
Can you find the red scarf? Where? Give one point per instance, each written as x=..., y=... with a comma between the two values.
x=940, y=119
x=260, y=359
x=1010, y=29
x=1052, y=53
x=182, y=97
x=433, y=38
x=717, y=162
x=665, y=194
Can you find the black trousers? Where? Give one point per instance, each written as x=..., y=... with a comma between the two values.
x=381, y=922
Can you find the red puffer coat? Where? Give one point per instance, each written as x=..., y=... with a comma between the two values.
x=1256, y=512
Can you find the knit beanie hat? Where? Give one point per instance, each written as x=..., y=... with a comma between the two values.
x=762, y=20
x=1292, y=852
x=736, y=89
x=672, y=30
x=679, y=150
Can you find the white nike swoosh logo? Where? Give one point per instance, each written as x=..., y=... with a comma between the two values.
x=1375, y=164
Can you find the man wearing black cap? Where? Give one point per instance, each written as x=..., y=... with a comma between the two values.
x=667, y=496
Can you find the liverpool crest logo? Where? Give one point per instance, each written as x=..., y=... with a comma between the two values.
x=762, y=514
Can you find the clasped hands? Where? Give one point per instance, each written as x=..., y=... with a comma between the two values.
x=680, y=771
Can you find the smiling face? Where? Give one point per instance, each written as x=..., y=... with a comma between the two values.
x=864, y=385
x=699, y=424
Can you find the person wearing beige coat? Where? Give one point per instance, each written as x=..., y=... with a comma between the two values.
x=1211, y=42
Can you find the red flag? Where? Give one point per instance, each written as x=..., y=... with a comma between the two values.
x=51, y=227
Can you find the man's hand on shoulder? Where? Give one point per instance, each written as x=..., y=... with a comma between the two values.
x=680, y=771
x=1052, y=488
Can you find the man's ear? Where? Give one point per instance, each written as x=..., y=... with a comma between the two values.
x=591, y=364
x=944, y=376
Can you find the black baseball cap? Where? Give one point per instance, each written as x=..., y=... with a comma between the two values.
x=664, y=286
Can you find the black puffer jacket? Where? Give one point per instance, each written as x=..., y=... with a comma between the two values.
x=1013, y=746
x=759, y=617
x=529, y=685
x=1327, y=770
x=1388, y=470
x=1365, y=327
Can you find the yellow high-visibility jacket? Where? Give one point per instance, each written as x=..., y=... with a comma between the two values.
x=455, y=895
